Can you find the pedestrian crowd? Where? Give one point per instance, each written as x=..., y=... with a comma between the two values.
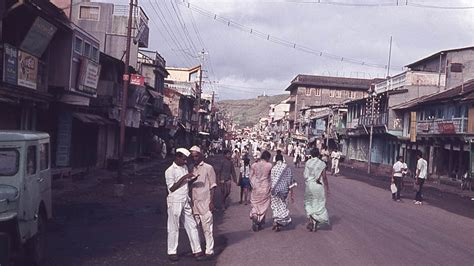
x=264, y=185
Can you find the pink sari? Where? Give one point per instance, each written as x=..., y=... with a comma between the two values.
x=261, y=189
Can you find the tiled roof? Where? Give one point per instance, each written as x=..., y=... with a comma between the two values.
x=336, y=82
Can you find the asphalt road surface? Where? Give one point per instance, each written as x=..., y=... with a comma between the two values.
x=368, y=228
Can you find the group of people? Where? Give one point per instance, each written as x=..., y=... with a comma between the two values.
x=263, y=184
x=400, y=170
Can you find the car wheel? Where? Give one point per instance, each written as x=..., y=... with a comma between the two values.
x=36, y=246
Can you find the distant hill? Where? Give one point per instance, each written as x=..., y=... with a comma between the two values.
x=247, y=112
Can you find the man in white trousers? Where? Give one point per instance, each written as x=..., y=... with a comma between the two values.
x=177, y=179
x=202, y=191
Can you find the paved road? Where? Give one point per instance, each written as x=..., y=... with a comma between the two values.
x=368, y=229
x=93, y=228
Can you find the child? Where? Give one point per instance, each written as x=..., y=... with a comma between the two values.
x=245, y=181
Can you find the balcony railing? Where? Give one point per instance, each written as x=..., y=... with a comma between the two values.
x=379, y=120
x=442, y=126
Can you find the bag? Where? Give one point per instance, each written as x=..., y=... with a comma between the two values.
x=393, y=188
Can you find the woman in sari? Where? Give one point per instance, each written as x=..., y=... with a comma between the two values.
x=261, y=185
x=282, y=184
x=315, y=191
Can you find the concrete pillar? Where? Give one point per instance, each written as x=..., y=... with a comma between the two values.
x=460, y=159
x=431, y=159
x=450, y=160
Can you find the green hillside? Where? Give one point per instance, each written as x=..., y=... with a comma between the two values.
x=247, y=112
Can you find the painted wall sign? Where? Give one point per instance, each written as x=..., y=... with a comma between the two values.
x=137, y=80
x=446, y=128
x=88, y=76
x=38, y=37
x=27, y=70
x=10, y=64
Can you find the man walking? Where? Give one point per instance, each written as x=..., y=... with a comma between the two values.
x=225, y=174
x=335, y=156
x=397, y=174
x=421, y=175
x=202, y=191
x=177, y=179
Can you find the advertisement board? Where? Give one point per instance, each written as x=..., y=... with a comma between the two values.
x=27, y=70
x=88, y=76
x=10, y=64
x=38, y=37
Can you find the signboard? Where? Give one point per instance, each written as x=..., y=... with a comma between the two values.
x=137, y=80
x=10, y=64
x=27, y=70
x=38, y=37
x=446, y=128
x=412, y=126
x=425, y=127
x=88, y=76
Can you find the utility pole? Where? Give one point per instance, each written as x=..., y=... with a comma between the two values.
x=372, y=100
x=389, y=57
x=126, y=80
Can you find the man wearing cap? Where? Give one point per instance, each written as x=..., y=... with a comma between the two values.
x=177, y=179
x=202, y=191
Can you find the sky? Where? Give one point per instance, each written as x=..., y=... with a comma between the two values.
x=254, y=47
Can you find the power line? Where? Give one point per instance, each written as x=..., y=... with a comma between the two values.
x=180, y=27
x=166, y=40
x=169, y=30
x=281, y=41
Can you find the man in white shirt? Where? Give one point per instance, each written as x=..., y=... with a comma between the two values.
x=421, y=175
x=397, y=174
x=336, y=156
x=177, y=179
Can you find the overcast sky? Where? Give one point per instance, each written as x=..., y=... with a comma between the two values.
x=241, y=65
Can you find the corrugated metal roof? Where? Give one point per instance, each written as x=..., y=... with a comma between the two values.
x=335, y=82
x=437, y=55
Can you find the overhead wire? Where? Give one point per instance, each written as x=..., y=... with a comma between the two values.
x=281, y=41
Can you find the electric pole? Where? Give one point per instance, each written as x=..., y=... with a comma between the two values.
x=126, y=80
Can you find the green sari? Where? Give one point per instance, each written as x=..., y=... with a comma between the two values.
x=314, y=195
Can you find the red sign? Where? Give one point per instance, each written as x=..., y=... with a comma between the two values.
x=446, y=128
x=137, y=80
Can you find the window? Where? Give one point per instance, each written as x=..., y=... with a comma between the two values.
x=317, y=92
x=87, y=49
x=89, y=12
x=31, y=160
x=308, y=91
x=9, y=162
x=352, y=94
x=95, y=53
x=78, y=45
x=338, y=94
x=44, y=156
x=331, y=93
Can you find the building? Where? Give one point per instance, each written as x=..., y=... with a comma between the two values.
x=386, y=105
x=108, y=23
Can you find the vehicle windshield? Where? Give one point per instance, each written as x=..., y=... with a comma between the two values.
x=9, y=161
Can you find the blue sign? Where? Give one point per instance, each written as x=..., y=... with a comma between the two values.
x=10, y=64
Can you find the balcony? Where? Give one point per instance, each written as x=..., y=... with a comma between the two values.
x=410, y=78
x=380, y=120
x=442, y=126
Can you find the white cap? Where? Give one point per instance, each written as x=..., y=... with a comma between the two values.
x=196, y=149
x=183, y=151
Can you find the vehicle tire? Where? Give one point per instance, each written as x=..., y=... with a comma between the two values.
x=36, y=246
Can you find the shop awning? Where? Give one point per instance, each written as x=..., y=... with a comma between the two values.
x=92, y=119
x=155, y=94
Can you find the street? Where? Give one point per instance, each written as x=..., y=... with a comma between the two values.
x=368, y=228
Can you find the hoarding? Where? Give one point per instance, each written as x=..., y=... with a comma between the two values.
x=38, y=37
x=27, y=70
x=10, y=64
